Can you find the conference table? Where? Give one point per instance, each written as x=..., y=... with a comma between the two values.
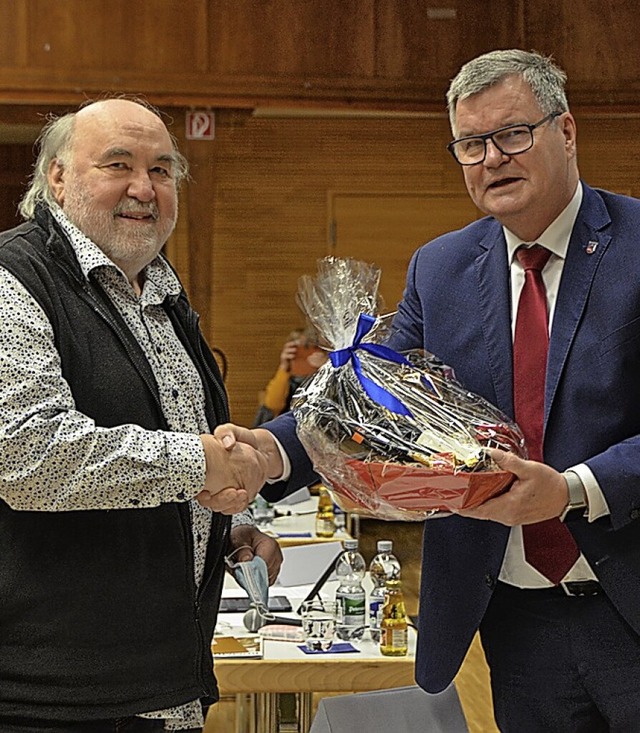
x=285, y=673
x=259, y=684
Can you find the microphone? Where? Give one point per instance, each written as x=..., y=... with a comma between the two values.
x=257, y=617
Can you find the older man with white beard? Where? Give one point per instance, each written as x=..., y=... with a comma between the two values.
x=115, y=495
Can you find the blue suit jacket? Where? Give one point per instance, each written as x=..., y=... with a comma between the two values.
x=457, y=305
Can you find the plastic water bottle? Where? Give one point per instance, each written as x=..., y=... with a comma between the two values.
x=384, y=567
x=350, y=595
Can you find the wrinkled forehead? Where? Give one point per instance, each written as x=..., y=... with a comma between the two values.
x=509, y=100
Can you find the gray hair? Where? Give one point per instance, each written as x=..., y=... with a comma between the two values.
x=55, y=143
x=543, y=76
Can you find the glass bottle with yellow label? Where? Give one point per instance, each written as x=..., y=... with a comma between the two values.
x=325, y=517
x=393, y=625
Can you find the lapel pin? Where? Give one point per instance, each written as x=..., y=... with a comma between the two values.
x=591, y=248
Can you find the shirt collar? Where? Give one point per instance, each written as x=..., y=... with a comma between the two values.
x=556, y=236
x=157, y=274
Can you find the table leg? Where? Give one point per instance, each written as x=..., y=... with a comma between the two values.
x=261, y=712
x=246, y=713
x=305, y=707
x=267, y=712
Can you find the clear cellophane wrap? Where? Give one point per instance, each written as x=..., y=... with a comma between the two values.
x=393, y=436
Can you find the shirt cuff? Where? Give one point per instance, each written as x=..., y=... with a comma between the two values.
x=244, y=517
x=186, y=466
x=286, y=464
x=597, y=504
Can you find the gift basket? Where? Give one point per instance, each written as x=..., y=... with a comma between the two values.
x=393, y=435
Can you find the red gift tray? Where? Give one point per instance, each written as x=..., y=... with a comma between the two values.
x=419, y=488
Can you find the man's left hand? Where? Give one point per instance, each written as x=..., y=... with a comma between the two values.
x=254, y=542
x=539, y=492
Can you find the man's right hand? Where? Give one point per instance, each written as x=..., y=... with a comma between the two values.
x=234, y=475
x=287, y=355
x=262, y=440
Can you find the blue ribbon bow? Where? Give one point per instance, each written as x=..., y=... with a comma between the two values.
x=375, y=391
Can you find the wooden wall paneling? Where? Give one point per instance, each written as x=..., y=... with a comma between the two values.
x=72, y=50
x=256, y=215
x=15, y=169
x=272, y=193
x=191, y=247
x=241, y=53
x=355, y=53
x=330, y=38
x=595, y=41
x=26, y=121
x=200, y=210
x=84, y=35
x=14, y=38
x=273, y=177
x=429, y=41
x=386, y=229
x=608, y=150
x=178, y=247
x=269, y=229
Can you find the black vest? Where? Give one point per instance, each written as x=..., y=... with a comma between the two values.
x=99, y=615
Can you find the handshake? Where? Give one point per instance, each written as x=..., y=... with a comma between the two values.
x=238, y=463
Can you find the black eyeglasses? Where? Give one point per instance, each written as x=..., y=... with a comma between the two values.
x=510, y=140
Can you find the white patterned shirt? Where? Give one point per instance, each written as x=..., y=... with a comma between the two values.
x=114, y=468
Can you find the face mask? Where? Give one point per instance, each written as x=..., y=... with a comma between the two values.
x=253, y=576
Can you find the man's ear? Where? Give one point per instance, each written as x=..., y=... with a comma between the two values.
x=569, y=132
x=55, y=177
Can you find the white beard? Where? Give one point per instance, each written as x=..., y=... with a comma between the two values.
x=129, y=246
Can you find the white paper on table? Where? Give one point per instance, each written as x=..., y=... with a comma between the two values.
x=304, y=564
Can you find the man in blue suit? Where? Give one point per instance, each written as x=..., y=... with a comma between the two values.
x=564, y=652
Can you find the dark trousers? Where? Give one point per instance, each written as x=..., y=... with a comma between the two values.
x=120, y=725
x=560, y=664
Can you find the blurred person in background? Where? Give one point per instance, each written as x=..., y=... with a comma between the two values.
x=300, y=358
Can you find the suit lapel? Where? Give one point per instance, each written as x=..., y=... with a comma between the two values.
x=588, y=243
x=492, y=273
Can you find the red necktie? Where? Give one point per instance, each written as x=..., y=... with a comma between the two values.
x=548, y=545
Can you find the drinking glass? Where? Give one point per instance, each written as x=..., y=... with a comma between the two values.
x=318, y=624
x=263, y=515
